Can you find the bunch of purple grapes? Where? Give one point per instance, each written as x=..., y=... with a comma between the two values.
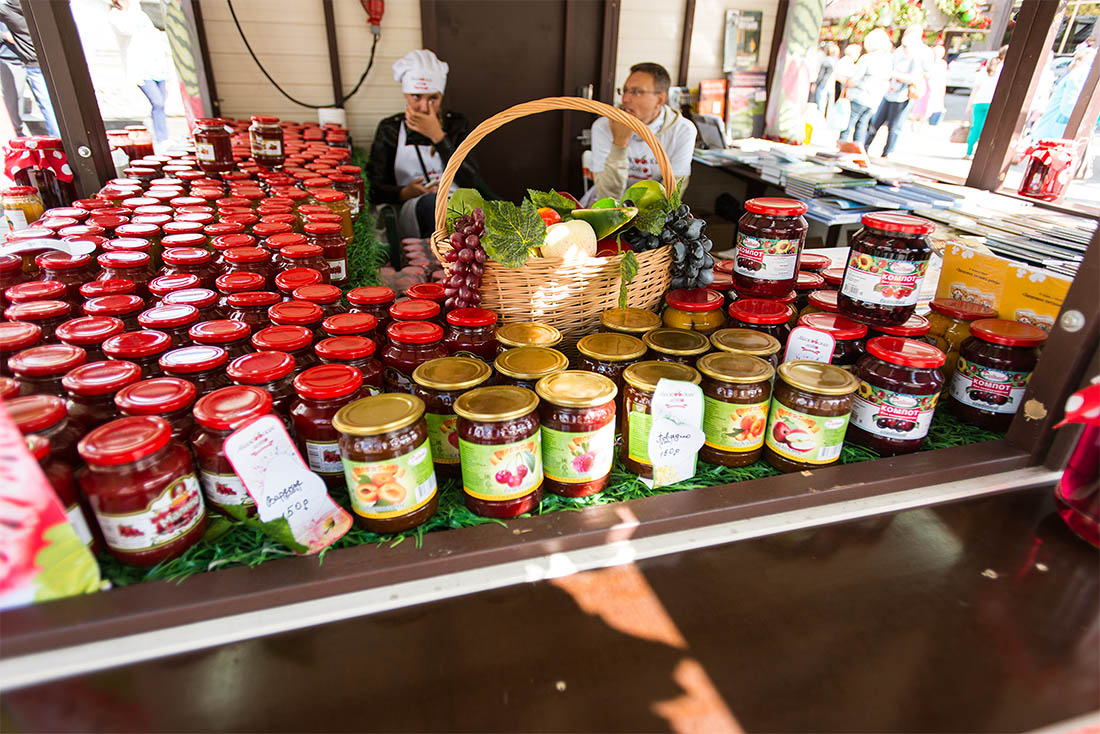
x=466, y=261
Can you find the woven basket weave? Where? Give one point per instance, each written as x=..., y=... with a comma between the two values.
x=569, y=295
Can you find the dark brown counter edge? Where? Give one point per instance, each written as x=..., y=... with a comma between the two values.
x=160, y=604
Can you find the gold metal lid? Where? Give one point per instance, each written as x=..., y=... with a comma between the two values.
x=644, y=375
x=528, y=334
x=746, y=341
x=530, y=363
x=630, y=320
x=734, y=367
x=609, y=346
x=818, y=377
x=576, y=389
x=680, y=342
x=451, y=373
x=378, y=414
x=496, y=404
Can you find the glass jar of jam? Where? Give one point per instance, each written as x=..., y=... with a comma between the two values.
x=356, y=351
x=9, y=388
x=321, y=392
x=439, y=382
x=525, y=366
x=527, y=334
x=639, y=383
x=577, y=414
x=949, y=326
x=202, y=365
x=814, y=261
x=70, y=270
x=213, y=149
x=62, y=480
x=268, y=227
x=992, y=372
x=217, y=415
x=142, y=489
x=37, y=290
x=747, y=341
x=133, y=266
x=350, y=324
x=46, y=314
x=915, y=327
x=820, y=302
x=127, y=308
x=696, y=309
x=15, y=336
x=173, y=320
x=143, y=348
x=92, y=387
x=265, y=139
x=737, y=390
x=272, y=371
x=237, y=283
x=436, y=292
x=806, y=283
x=349, y=185
x=886, y=266
x=249, y=260
x=770, y=238
x=115, y=287
x=632, y=321
x=416, y=309
x=850, y=336
x=169, y=398
x=22, y=206
x=222, y=243
x=675, y=345
x=471, y=332
x=297, y=313
x=46, y=415
x=40, y=369
x=328, y=297
x=412, y=343
x=304, y=256
x=811, y=405
x=609, y=353
x=899, y=384
x=134, y=236
x=375, y=300
x=387, y=462
x=162, y=285
x=235, y=337
x=11, y=273
x=277, y=242
x=766, y=316
x=288, y=281
x=297, y=341
x=500, y=445
x=206, y=301
x=251, y=308
x=335, y=247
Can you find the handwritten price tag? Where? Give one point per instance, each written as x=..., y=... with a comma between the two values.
x=811, y=344
x=677, y=431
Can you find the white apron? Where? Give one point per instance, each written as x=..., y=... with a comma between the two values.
x=410, y=163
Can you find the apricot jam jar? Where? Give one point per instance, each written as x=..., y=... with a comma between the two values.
x=218, y=415
x=439, y=383
x=770, y=237
x=640, y=382
x=737, y=390
x=886, y=267
x=322, y=391
x=525, y=366
x=811, y=405
x=697, y=309
x=577, y=414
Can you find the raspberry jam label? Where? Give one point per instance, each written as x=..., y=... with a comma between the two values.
x=324, y=457
x=391, y=487
x=766, y=259
x=891, y=414
x=170, y=516
x=997, y=391
x=807, y=439
x=224, y=489
x=204, y=152
x=338, y=269
x=265, y=147
x=443, y=437
x=501, y=471
x=883, y=280
x=734, y=427
x=574, y=458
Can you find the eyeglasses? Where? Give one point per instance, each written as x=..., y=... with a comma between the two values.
x=635, y=92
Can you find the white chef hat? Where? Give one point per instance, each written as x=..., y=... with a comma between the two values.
x=420, y=72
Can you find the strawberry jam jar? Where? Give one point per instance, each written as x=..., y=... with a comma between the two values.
x=272, y=371
x=577, y=417
x=40, y=369
x=143, y=348
x=321, y=392
x=92, y=388
x=142, y=489
x=218, y=414
x=203, y=366
x=770, y=237
x=886, y=266
x=297, y=341
x=412, y=343
x=235, y=337
x=416, y=309
x=471, y=332
x=439, y=382
x=169, y=398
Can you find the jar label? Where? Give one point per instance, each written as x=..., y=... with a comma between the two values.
x=804, y=438
x=766, y=259
x=324, y=457
x=338, y=269
x=266, y=146
x=499, y=472
x=577, y=457
x=641, y=423
x=443, y=437
x=170, y=516
x=995, y=391
x=225, y=489
x=883, y=280
x=397, y=381
x=734, y=426
x=16, y=219
x=79, y=523
x=205, y=152
x=391, y=487
x=892, y=414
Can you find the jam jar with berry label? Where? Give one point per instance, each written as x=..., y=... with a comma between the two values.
x=525, y=366
x=439, y=382
x=886, y=267
x=770, y=238
x=810, y=408
x=412, y=343
x=577, y=415
x=218, y=414
x=321, y=392
x=737, y=390
x=356, y=351
x=640, y=382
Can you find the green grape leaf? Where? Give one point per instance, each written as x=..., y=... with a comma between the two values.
x=628, y=270
x=461, y=203
x=675, y=199
x=67, y=565
x=512, y=231
x=277, y=529
x=553, y=200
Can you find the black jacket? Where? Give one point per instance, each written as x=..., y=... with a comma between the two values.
x=383, y=152
x=11, y=15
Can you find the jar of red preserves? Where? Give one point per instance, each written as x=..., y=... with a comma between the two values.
x=37, y=290
x=127, y=308
x=143, y=348
x=136, y=232
x=915, y=327
x=114, y=287
x=213, y=149
x=321, y=392
x=768, y=317
x=9, y=388
x=40, y=369
x=328, y=237
x=357, y=352
x=886, y=267
x=806, y=283
x=133, y=266
x=272, y=371
x=173, y=320
x=696, y=309
x=297, y=313
x=70, y=270
x=15, y=336
x=203, y=365
x=91, y=391
x=350, y=324
x=277, y=242
x=412, y=343
x=416, y=309
x=169, y=398
x=265, y=138
x=46, y=415
x=235, y=337
x=326, y=296
x=250, y=260
x=162, y=285
x=63, y=482
x=737, y=389
x=640, y=382
x=206, y=301
x=297, y=341
x=820, y=302
x=770, y=237
x=577, y=417
x=675, y=345
x=471, y=332
x=810, y=409
x=375, y=300
x=439, y=382
x=11, y=273
x=251, y=308
x=304, y=256
x=48, y=315
x=288, y=281
x=850, y=336
x=608, y=354
x=217, y=415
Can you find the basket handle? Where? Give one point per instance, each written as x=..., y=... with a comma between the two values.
x=534, y=107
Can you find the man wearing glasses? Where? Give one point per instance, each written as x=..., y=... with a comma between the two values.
x=619, y=157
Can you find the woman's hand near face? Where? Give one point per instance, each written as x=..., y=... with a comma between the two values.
x=427, y=124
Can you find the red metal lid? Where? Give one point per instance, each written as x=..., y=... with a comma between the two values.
x=297, y=252
x=956, y=309
x=128, y=244
x=694, y=299
x=287, y=338
x=19, y=191
x=123, y=259
x=317, y=182
x=246, y=218
x=906, y=352
x=188, y=360
x=219, y=331
x=414, y=309
x=168, y=316
x=265, y=119
x=471, y=317
x=183, y=227
x=33, y=413
x=125, y=440
x=198, y=297
x=180, y=202
x=898, y=223
x=35, y=290
x=293, y=278
x=825, y=301
x=287, y=239
x=349, y=323
x=203, y=218
x=9, y=388
x=134, y=202
x=321, y=228
x=60, y=223
x=370, y=295
x=222, y=228
x=269, y=229
x=18, y=335
x=349, y=169
x=295, y=312
x=154, y=209
x=91, y=204
x=96, y=241
x=67, y=211
x=89, y=330
x=430, y=291
x=158, y=219
x=30, y=233
x=228, y=241
x=319, y=293
x=808, y=281
x=156, y=396
x=814, y=261
x=345, y=347
x=186, y=255
x=137, y=229
x=258, y=368
x=841, y=327
x=164, y=284
x=328, y=195
x=775, y=206
x=833, y=276
x=231, y=201
x=133, y=344
x=328, y=381
x=10, y=263
x=307, y=209
x=57, y=260
x=47, y=360
x=230, y=407
x=183, y=242
x=1008, y=333
x=253, y=299
x=915, y=325
x=237, y=282
x=415, y=332
x=268, y=216
x=35, y=310
x=101, y=378
x=247, y=255
x=760, y=311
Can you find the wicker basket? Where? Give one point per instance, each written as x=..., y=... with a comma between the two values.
x=567, y=294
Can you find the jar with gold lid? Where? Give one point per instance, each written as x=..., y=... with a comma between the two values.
x=640, y=382
x=748, y=341
x=527, y=334
x=525, y=366
x=811, y=406
x=737, y=390
x=633, y=321
x=608, y=354
x=577, y=414
x=439, y=383
x=675, y=345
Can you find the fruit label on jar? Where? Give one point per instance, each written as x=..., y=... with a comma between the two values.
x=891, y=414
x=204, y=151
x=16, y=219
x=574, y=458
x=766, y=259
x=391, y=487
x=171, y=515
x=324, y=457
x=499, y=472
x=224, y=489
x=996, y=391
x=640, y=424
x=267, y=147
x=804, y=438
x=734, y=427
x=397, y=381
x=443, y=437
x=883, y=280
x=338, y=269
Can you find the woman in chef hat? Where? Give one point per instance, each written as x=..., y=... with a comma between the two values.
x=411, y=148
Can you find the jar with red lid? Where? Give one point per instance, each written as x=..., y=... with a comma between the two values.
x=915, y=327
x=416, y=309
x=62, y=480
x=850, y=336
x=11, y=273
x=949, y=326
x=304, y=256
x=190, y=232
x=217, y=415
x=436, y=292
x=169, y=398
x=264, y=229
x=992, y=372
x=297, y=313
x=67, y=211
x=821, y=302
x=89, y=333
x=69, y=270
x=155, y=210
x=231, y=283
x=91, y=391
x=128, y=244
x=806, y=283
x=232, y=202
x=206, y=301
x=265, y=139
x=235, y=337
x=124, y=307
x=162, y=285
x=357, y=173
x=37, y=290
x=202, y=365
x=375, y=300
x=113, y=287
x=763, y=315
x=886, y=266
x=350, y=324
x=15, y=336
x=244, y=217
x=79, y=231
x=56, y=224
x=46, y=314
x=220, y=229
x=172, y=319
x=334, y=246
x=695, y=309
x=899, y=385
x=272, y=371
x=46, y=415
x=202, y=217
x=143, y=348
x=328, y=297
x=288, y=281
x=9, y=388
x=250, y=308
x=133, y=266
x=349, y=186
x=770, y=238
x=249, y=260
x=297, y=341
x=357, y=351
x=143, y=231
x=277, y=242
x=471, y=332
x=412, y=343
x=213, y=149
x=321, y=392
x=281, y=216
x=814, y=262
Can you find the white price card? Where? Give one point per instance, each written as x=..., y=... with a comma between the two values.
x=280, y=483
x=811, y=344
x=676, y=434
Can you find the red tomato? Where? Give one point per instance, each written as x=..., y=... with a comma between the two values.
x=549, y=216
